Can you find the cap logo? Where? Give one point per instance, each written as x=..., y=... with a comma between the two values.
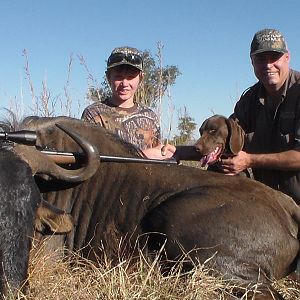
x=271, y=37
x=268, y=40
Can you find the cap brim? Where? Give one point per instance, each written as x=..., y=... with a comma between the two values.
x=269, y=50
x=124, y=63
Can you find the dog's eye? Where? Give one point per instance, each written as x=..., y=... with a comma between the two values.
x=212, y=131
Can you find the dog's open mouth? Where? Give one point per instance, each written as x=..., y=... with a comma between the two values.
x=210, y=158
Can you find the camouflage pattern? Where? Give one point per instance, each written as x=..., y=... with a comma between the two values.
x=126, y=51
x=138, y=125
x=268, y=40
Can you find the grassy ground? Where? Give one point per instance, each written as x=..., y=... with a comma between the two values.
x=79, y=279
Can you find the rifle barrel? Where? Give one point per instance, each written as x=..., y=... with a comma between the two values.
x=61, y=157
x=28, y=137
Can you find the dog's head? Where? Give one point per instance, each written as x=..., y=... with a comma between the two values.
x=219, y=136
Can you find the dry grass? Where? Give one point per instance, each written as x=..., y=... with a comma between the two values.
x=77, y=278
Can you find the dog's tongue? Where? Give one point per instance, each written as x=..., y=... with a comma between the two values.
x=210, y=158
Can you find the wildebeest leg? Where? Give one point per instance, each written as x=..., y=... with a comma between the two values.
x=51, y=224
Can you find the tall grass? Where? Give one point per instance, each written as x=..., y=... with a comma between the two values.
x=75, y=278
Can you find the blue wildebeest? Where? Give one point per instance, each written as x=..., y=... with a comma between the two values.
x=247, y=229
x=22, y=208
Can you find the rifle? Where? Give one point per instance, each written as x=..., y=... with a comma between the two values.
x=60, y=157
x=25, y=137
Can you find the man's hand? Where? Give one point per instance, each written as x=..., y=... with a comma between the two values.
x=236, y=164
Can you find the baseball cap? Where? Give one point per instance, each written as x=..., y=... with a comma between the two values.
x=268, y=40
x=125, y=56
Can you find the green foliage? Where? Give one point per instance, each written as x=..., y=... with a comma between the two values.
x=186, y=127
x=156, y=80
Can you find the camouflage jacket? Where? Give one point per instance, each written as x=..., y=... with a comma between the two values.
x=137, y=125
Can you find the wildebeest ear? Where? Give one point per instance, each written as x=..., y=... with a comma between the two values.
x=49, y=219
x=236, y=140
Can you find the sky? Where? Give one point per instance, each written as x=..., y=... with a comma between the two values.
x=67, y=43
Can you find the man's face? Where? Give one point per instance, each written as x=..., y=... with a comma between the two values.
x=124, y=81
x=271, y=68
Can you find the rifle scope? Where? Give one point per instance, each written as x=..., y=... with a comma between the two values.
x=25, y=137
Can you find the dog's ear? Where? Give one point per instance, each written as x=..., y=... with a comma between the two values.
x=236, y=140
x=202, y=127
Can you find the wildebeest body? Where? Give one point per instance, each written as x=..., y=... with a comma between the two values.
x=19, y=198
x=248, y=228
x=239, y=245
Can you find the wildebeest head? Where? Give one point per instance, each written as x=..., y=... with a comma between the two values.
x=42, y=164
x=48, y=136
x=219, y=136
x=21, y=206
x=89, y=193
x=21, y=210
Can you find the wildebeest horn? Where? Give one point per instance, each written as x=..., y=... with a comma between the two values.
x=41, y=164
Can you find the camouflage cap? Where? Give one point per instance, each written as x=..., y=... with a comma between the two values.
x=125, y=56
x=268, y=40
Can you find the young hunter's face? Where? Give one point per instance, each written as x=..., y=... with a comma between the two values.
x=271, y=68
x=124, y=82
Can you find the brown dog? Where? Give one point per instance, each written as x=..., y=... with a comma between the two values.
x=220, y=136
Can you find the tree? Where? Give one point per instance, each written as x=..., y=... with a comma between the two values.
x=186, y=127
x=156, y=80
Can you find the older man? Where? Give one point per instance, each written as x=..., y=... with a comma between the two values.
x=269, y=112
